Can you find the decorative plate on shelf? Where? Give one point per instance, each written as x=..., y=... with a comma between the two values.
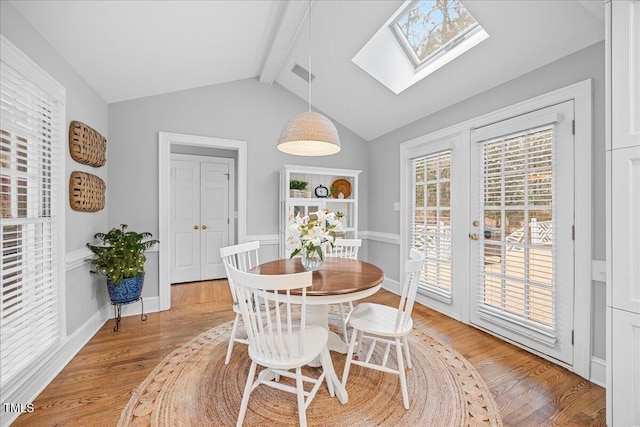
x=343, y=186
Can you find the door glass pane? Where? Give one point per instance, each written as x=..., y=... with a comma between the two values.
x=431, y=230
x=518, y=225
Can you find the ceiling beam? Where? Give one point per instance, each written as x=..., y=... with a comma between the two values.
x=293, y=18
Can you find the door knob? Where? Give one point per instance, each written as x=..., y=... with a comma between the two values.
x=204, y=227
x=195, y=227
x=474, y=236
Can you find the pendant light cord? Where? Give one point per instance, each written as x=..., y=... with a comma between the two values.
x=309, y=20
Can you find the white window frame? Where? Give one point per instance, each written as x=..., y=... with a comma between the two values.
x=581, y=93
x=464, y=41
x=20, y=62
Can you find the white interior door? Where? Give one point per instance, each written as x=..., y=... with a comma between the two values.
x=215, y=217
x=522, y=251
x=185, y=220
x=201, y=217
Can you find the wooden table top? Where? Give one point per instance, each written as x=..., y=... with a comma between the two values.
x=337, y=276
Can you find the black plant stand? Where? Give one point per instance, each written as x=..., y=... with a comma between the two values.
x=117, y=307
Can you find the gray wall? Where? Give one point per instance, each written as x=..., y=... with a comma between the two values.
x=84, y=295
x=243, y=110
x=250, y=111
x=384, y=155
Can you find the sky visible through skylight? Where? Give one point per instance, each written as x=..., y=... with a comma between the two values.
x=430, y=25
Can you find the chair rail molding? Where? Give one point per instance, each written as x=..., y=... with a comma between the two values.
x=264, y=239
x=75, y=259
x=378, y=236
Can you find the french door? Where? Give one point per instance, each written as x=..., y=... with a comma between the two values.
x=521, y=225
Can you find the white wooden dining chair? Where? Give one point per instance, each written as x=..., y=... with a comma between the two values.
x=381, y=324
x=243, y=257
x=344, y=248
x=279, y=340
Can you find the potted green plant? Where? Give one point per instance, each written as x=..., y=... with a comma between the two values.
x=298, y=188
x=120, y=257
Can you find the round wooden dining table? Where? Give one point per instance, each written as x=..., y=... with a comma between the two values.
x=338, y=280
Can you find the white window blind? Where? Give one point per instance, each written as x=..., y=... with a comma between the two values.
x=518, y=267
x=430, y=226
x=30, y=132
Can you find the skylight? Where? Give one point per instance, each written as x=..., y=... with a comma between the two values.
x=420, y=37
x=429, y=28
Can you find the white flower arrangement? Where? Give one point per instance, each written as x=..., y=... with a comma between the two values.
x=308, y=235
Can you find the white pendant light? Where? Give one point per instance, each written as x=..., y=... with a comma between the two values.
x=310, y=133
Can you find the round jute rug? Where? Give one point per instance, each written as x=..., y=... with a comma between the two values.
x=193, y=387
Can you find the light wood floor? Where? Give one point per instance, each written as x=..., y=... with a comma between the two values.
x=95, y=386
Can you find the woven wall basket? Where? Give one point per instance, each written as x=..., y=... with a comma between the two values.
x=86, y=145
x=86, y=192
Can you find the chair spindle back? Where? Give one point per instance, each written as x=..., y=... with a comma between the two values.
x=412, y=269
x=344, y=248
x=242, y=257
x=272, y=334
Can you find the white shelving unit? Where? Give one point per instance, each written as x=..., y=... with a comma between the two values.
x=623, y=212
x=316, y=177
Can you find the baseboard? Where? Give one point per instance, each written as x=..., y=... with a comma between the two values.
x=30, y=387
x=598, y=371
x=391, y=285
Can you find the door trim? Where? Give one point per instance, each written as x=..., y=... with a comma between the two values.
x=166, y=140
x=581, y=93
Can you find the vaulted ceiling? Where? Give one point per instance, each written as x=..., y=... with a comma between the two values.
x=133, y=49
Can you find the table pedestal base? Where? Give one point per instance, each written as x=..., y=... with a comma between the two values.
x=318, y=315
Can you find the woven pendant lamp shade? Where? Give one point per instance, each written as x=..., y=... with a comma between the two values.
x=309, y=134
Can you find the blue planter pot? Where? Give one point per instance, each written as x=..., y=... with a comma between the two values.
x=127, y=291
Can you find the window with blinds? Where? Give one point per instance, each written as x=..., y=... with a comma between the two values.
x=430, y=227
x=518, y=268
x=30, y=132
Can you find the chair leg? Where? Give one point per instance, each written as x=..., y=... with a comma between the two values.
x=245, y=396
x=343, y=319
x=302, y=413
x=407, y=354
x=360, y=338
x=347, y=363
x=234, y=330
x=327, y=367
x=403, y=378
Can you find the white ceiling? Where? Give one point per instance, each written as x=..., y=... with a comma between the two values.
x=132, y=49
